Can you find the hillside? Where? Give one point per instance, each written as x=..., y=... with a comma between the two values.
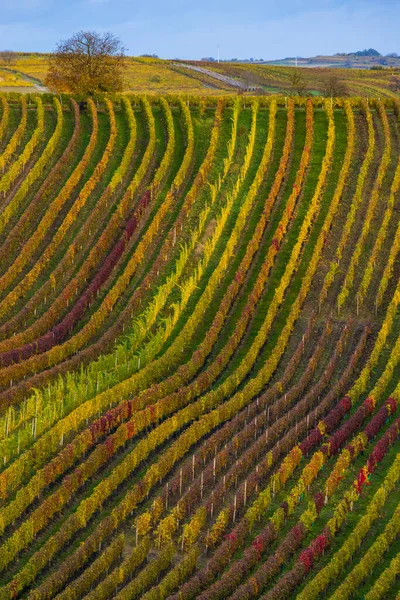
x=199, y=348
x=155, y=76
x=353, y=60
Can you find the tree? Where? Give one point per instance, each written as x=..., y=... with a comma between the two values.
x=394, y=84
x=8, y=57
x=334, y=87
x=87, y=63
x=298, y=83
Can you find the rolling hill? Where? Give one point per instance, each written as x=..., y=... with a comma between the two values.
x=199, y=347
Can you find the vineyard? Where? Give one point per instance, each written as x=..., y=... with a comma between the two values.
x=199, y=347
x=157, y=76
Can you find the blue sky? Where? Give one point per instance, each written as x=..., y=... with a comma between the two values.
x=193, y=29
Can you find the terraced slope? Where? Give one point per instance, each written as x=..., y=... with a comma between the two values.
x=199, y=348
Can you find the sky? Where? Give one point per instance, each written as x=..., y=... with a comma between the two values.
x=195, y=28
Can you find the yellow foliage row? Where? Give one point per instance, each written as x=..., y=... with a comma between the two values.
x=19, y=165
x=36, y=171
x=45, y=322
x=342, y=556
x=73, y=420
x=386, y=580
x=374, y=554
x=121, y=170
x=253, y=514
x=106, y=588
x=362, y=382
x=277, y=481
x=12, y=145
x=177, y=575
x=5, y=115
x=50, y=215
x=170, y=523
x=146, y=445
x=356, y=201
x=369, y=214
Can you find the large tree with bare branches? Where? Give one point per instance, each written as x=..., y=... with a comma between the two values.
x=87, y=63
x=298, y=83
x=333, y=86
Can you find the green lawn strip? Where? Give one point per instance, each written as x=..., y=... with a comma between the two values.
x=14, y=119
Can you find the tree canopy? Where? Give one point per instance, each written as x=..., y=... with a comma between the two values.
x=87, y=63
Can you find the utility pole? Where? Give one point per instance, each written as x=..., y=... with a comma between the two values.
x=218, y=51
x=296, y=62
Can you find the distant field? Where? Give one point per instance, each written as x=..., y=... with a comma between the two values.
x=144, y=75
x=199, y=348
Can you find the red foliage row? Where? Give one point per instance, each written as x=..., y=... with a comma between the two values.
x=239, y=569
x=244, y=419
x=223, y=554
x=382, y=446
x=331, y=421
x=63, y=329
x=270, y=567
x=293, y=578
